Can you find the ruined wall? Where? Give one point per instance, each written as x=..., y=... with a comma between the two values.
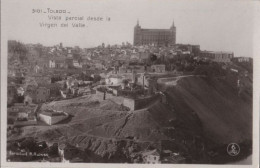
x=100, y=95
x=56, y=119
x=52, y=120
x=130, y=103
x=45, y=118
x=139, y=103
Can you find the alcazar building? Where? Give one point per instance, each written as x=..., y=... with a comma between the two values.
x=158, y=37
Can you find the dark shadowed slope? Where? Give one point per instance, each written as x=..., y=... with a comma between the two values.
x=225, y=116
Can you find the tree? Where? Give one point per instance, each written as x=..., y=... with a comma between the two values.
x=96, y=78
x=153, y=58
x=39, y=49
x=125, y=82
x=53, y=150
x=211, y=70
x=65, y=85
x=18, y=49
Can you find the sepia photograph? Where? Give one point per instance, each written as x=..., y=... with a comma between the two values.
x=129, y=82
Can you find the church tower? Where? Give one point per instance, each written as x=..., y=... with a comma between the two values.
x=173, y=34
x=137, y=33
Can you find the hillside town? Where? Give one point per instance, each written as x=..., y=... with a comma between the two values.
x=133, y=76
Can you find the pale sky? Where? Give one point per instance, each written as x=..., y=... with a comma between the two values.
x=214, y=24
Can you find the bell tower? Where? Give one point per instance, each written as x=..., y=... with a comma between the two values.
x=137, y=34
x=173, y=34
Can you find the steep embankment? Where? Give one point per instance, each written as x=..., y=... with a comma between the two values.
x=142, y=125
x=199, y=111
x=225, y=116
x=102, y=127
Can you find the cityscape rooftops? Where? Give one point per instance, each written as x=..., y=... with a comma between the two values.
x=152, y=152
x=217, y=52
x=20, y=108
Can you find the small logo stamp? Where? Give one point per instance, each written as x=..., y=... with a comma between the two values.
x=233, y=149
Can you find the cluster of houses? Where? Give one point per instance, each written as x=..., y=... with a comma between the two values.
x=157, y=68
x=39, y=88
x=123, y=65
x=119, y=70
x=69, y=153
x=165, y=156
x=21, y=114
x=125, y=78
x=117, y=57
x=102, y=58
x=75, y=87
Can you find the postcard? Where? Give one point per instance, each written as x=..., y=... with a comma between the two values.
x=130, y=83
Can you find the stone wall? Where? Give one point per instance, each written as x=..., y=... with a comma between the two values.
x=130, y=103
x=50, y=120
x=100, y=95
x=139, y=103
x=45, y=118
x=56, y=119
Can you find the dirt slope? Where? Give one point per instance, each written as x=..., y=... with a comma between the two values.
x=143, y=125
x=224, y=115
x=197, y=109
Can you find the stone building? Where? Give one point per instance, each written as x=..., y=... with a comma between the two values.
x=42, y=94
x=59, y=62
x=243, y=59
x=158, y=37
x=160, y=68
x=22, y=114
x=11, y=94
x=194, y=49
x=40, y=79
x=217, y=56
x=52, y=117
x=223, y=56
x=151, y=157
x=114, y=80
